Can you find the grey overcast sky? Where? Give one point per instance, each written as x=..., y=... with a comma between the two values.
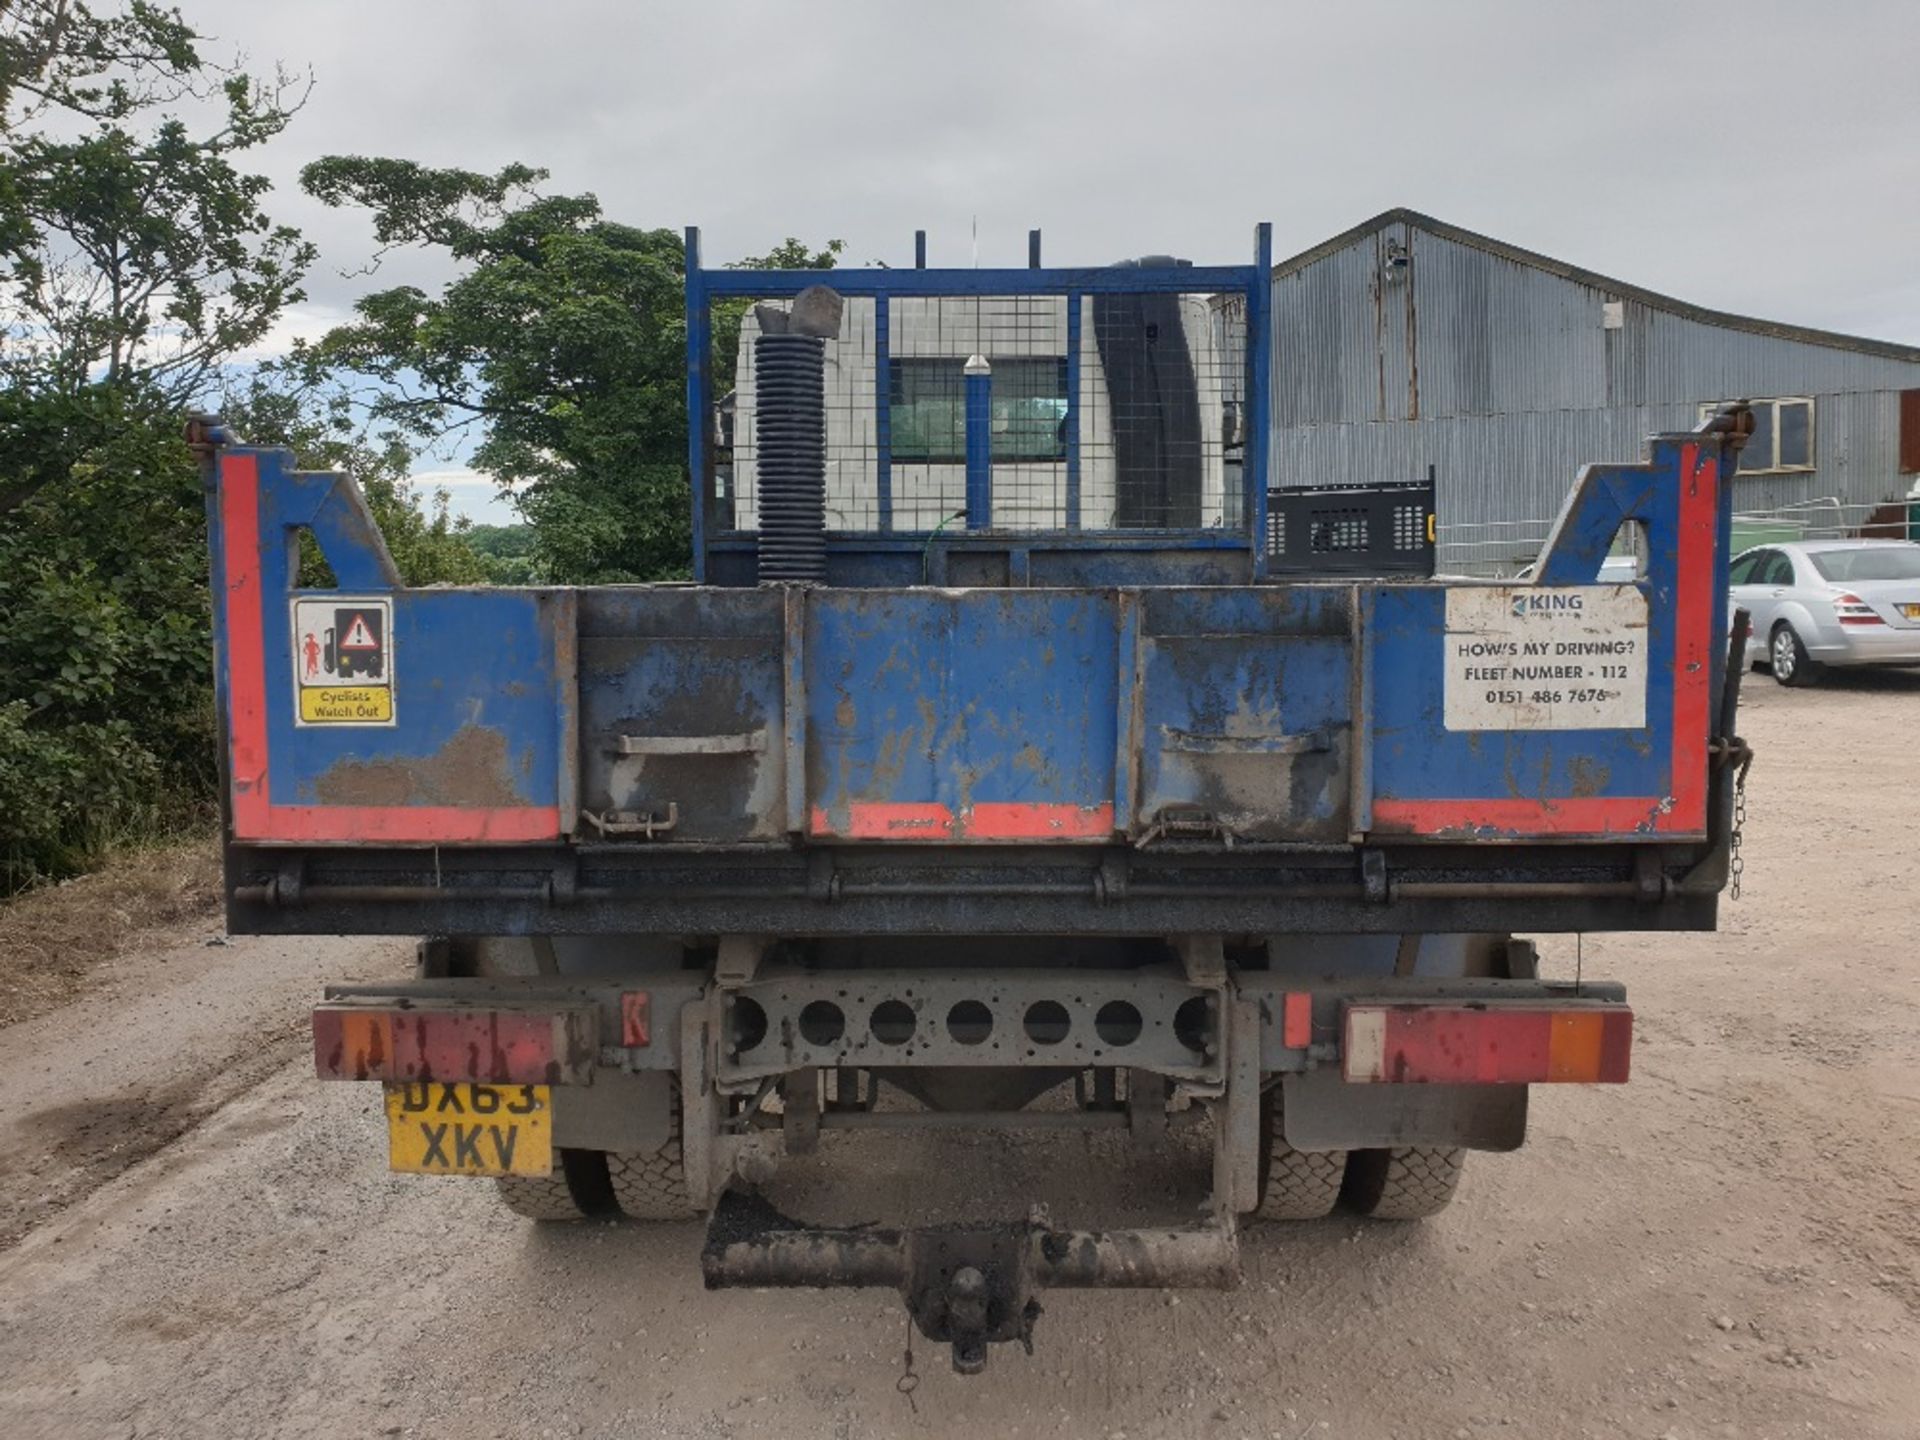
x=1755, y=157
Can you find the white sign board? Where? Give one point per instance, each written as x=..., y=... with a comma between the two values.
x=1540, y=657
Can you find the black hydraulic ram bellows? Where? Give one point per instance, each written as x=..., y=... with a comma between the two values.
x=790, y=415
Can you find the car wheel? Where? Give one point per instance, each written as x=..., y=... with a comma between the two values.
x=1789, y=658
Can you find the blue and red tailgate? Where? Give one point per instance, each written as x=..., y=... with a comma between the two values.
x=1560, y=709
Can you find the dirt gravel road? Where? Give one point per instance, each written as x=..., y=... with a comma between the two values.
x=1730, y=1246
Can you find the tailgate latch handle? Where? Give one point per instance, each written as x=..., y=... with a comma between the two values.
x=615, y=823
x=1193, y=742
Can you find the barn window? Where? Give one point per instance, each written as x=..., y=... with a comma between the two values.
x=1782, y=435
x=930, y=410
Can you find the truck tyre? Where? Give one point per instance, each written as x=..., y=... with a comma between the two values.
x=1403, y=1184
x=1295, y=1184
x=652, y=1185
x=576, y=1190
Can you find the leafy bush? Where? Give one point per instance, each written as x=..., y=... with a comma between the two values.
x=106, y=699
x=68, y=794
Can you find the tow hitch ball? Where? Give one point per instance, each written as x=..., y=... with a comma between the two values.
x=970, y=1288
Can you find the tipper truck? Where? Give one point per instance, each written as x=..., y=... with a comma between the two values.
x=1022, y=753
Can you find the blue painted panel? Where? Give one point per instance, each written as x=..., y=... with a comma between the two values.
x=681, y=705
x=1245, y=712
x=1415, y=757
x=477, y=710
x=956, y=700
x=482, y=693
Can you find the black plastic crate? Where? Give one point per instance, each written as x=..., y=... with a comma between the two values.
x=1351, y=529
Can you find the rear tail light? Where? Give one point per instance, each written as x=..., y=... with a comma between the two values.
x=1852, y=610
x=362, y=1041
x=1487, y=1045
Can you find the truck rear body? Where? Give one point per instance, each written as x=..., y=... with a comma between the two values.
x=982, y=812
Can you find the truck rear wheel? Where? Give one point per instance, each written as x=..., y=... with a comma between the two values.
x=1409, y=1183
x=652, y=1185
x=577, y=1189
x=1294, y=1184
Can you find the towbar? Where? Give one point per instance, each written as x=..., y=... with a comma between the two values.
x=965, y=1285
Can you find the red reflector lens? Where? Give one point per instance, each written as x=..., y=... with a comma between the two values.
x=1296, y=1020
x=352, y=1044
x=1513, y=1045
x=636, y=1019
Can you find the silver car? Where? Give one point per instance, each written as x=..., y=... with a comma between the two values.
x=1817, y=603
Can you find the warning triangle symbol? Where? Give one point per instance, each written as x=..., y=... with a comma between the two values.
x=359, y=637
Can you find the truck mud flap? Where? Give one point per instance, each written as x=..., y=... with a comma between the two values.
x=964, y=1285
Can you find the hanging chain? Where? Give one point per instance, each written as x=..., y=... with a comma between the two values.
x=908, y=1381
x=1736, y=754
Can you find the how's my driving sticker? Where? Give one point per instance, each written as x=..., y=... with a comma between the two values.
x=1536, y=657
x=343, y=661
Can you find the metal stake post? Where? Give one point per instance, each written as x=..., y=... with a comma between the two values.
x=979, y=443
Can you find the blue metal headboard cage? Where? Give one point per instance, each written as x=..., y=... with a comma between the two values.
x=1111, y=428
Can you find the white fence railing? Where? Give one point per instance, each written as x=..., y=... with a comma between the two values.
x=1501, y=549
x=1489, y=550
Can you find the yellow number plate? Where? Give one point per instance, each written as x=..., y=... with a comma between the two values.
x=437, y=1129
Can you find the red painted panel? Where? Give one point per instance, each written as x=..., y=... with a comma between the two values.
x=1694, y=640
x=1001, y=820
x=886, y=822
x=1591, y=815
x=246, y=644
x=408, y=824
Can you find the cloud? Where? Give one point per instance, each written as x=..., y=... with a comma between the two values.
x=1741, y=158
x=469, y=493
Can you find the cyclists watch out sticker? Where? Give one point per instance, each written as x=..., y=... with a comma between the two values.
x=343, y=661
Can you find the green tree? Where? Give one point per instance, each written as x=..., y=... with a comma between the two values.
x=136, y=260
x=108, y=725
x=562, y=343
x=506, y=551
x=134, y=254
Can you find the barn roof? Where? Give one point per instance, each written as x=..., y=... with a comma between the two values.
x=1776, y=329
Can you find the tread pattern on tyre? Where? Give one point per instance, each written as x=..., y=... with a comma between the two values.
x=1297, y=1184
x=652, y=1185
x=1409, y=1183
x=576, y=1190
x=540, y=1197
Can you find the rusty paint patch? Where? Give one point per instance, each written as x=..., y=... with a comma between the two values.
x=471, y=770
x=1589, y=777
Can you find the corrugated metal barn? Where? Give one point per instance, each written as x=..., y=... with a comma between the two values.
x=1407, y=343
